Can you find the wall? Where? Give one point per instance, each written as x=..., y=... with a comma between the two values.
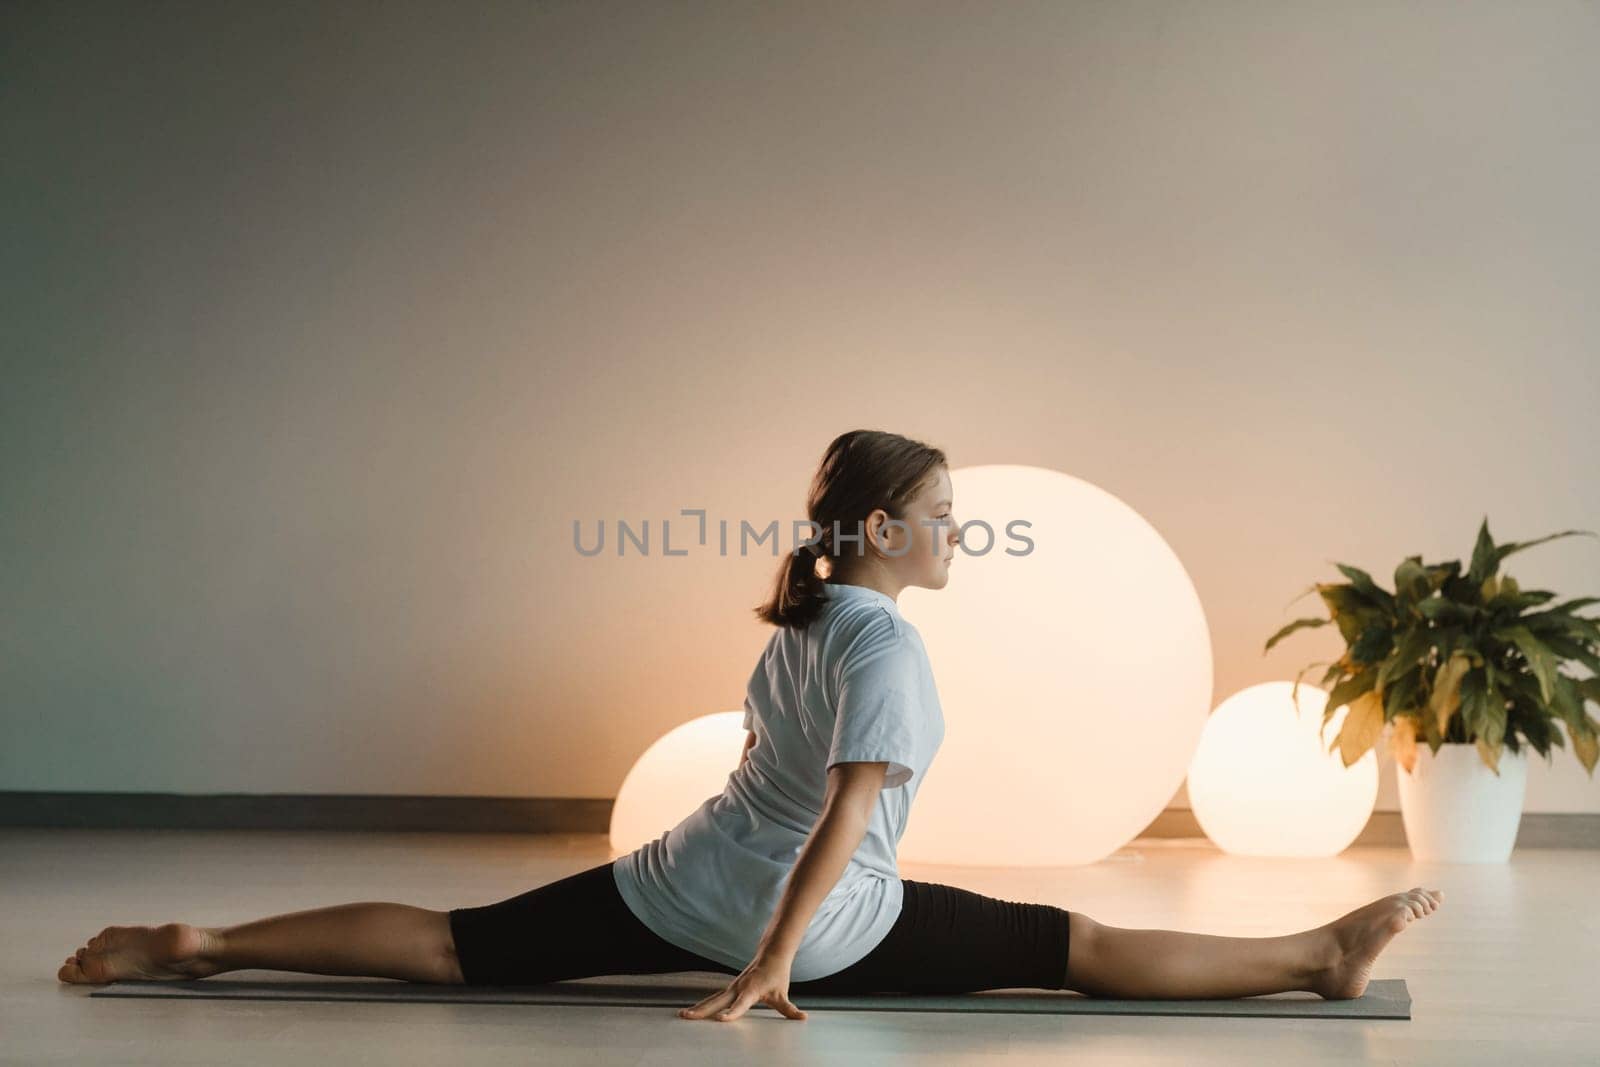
x=324, y=325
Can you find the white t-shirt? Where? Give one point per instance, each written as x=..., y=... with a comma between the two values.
x=854, y=685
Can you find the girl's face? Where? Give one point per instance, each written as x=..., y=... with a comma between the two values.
x=933, y=537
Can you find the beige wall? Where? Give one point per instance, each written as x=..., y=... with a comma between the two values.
x=323, y=327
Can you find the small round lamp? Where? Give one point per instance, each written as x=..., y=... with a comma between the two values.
x=1263, y=782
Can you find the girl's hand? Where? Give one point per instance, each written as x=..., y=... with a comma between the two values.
x=764, y=981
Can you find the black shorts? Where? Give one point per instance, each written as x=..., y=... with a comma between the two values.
x=945, y=940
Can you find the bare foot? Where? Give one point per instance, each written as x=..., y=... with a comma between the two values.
x=1355, y=939
x=160, y=953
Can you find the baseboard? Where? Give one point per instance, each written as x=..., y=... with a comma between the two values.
x=531, y=815
x=306, y=811
x=1386, y=830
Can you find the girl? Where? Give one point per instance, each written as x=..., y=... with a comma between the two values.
x=787, y=879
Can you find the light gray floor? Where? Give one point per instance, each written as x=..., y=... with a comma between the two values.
x=1503, y=972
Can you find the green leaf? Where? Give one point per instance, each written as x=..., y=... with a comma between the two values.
x=1409, y=652
x=1568, y=702
x=1443, y=610
x=1298, y=624
x=1474, y=695
x=1402, y=694
x=1350, y=610
x=1440, y=574
x=1576, y=626
x=1539, y=733
x=1411, y=581
x=1567, y=648
x=1538, y=656
x=1512, y=601
x=1517, y=546
x=1529, y=714
x=1523, y=684
x=1490, y=754
x=1567, y=607
x=1312, y=588
x=1364, y=585
x=1483, y=558
x=1492, y=723
x=1352, y=687
x=1374, y=643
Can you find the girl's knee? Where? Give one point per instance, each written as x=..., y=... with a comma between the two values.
x=1082, y=940
x=449, y=961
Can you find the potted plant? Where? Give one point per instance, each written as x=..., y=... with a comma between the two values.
x=1462, y=663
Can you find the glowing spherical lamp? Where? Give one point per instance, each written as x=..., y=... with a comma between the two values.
x=683, y=768
x=1263, y=782
x=1074, y=674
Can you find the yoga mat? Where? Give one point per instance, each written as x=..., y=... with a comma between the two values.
x=1386, y=998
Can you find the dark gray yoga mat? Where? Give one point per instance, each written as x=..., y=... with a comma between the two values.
x=1386, y=998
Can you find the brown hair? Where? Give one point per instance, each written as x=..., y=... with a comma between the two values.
x=861, y=471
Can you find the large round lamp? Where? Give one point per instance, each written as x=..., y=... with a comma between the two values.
x=1075, y=675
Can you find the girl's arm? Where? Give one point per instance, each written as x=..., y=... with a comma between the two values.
x=749, y=743
x=853, y=789
x=846, y=809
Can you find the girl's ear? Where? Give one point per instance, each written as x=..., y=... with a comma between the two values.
x=877, y=529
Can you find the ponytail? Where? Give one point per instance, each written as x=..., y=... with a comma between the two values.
x=798, y=598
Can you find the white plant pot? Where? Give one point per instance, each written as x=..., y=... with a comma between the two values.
x=1456, y=810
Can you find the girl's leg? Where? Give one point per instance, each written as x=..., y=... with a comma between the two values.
x=379, y=940
x=1334, y=960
